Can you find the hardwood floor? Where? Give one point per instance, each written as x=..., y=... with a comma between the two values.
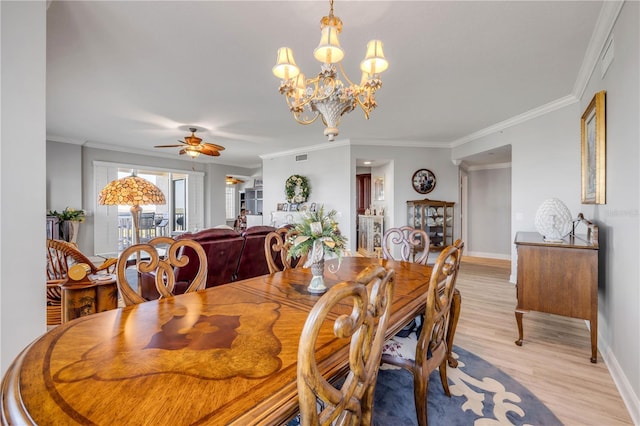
x=554, y=360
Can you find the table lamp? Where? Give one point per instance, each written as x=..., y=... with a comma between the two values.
x=131, y=191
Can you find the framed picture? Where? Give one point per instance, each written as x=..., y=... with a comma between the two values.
x=423, y=181
x=312, y=208
x=285, y=207
x=593, y=147
x=293, y=207
x=281, y=207
x=378, y=188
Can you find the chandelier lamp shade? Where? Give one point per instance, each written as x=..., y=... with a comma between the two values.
x=132, y=191
x=326, y=95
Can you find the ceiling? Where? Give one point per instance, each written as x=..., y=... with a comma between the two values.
x=131, y=75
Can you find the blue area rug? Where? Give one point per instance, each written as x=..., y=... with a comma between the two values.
x=481, y=394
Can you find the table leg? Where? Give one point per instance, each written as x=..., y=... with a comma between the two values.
x=519, y=321
x=454, y=315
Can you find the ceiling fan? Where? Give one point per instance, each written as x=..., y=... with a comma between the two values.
x=232, y=180
x=195, y=146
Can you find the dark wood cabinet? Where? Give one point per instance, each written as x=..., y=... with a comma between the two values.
x=435, y=218
x=558, y=278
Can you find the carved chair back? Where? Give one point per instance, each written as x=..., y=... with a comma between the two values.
x=412, y=242
x=148, y=259
x=365, y=326
x=276, y=253
x=431, y=348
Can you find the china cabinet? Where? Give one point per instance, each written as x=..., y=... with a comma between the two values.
x=370, y=232
x=434, y=217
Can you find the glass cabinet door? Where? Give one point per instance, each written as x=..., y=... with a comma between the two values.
x=436, y=218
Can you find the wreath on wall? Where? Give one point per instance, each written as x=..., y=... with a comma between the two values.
x=297, y=189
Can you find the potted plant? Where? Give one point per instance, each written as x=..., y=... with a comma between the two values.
x=69, y=222
x=316, y=235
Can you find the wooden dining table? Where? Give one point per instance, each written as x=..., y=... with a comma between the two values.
x=224, y=355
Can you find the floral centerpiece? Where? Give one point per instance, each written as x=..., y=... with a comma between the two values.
x=68, y=221
x=316, y=235
x=296, y=189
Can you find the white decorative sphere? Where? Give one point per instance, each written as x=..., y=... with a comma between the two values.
x=553, y=220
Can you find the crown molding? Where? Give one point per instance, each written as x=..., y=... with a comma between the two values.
x=62, y=139
x=604, y=25
x=202, y=159
x=526, y=116
x=303, y=149
x=405, y=144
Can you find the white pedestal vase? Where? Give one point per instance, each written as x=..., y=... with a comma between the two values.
x=317, y=282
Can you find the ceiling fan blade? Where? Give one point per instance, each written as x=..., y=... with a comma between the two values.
x=167, y=146
x=213, y=146
x=208, y=151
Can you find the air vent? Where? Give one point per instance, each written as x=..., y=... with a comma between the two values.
x=301, y=157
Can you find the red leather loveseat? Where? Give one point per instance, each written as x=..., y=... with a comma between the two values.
x=231, y=256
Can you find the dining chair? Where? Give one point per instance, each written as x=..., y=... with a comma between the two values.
x=413, y=246
x=365, y=325
x=412, y=243
x=431, y=347
x=276, y=253
x=159, y=255
x=60, y=256
x=456, y=302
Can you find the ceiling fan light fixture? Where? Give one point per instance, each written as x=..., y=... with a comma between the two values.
x=192, y=152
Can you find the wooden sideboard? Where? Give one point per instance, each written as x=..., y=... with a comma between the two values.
x=559, y=278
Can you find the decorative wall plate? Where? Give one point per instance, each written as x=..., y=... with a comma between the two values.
x=424, y=181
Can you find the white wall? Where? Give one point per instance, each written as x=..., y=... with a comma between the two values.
x=331, y=170
x=546, y=163
x=22, y=176
x=619, y=218
x=489, y=217
x=64, y=176
x=328, y=171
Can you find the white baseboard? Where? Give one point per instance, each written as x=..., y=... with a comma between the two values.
x=489, y=255
x=629, y=397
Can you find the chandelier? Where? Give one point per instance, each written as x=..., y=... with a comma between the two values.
x=326, y=96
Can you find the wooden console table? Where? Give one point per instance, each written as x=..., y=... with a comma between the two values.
x=559, y=278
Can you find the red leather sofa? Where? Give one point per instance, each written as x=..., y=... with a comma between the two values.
x=231, y=256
